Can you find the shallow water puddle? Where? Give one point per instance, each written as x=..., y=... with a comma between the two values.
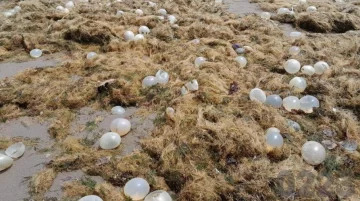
x=17, y=177
x=11, y=69
x=90, y=125
x=242, y=7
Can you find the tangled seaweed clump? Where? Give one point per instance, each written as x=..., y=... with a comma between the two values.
x=212, y=145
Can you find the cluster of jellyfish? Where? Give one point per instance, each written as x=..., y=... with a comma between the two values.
x=12, y=153
x=312, y=152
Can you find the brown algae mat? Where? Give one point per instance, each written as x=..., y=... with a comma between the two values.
x=214, y=147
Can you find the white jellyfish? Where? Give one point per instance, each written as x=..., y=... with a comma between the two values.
x=158, y=195
x=294, y=50
x=66, y=10
x=162, y=77
x=281, y=11
x=241, y=60
x=160, y=17
x=258, y=95
x=90, y=198
x=273, y=138
x=16, y=150
x=274, y=100
x=119, y=12
x=298, y=84
x=117, y=110
x=139, y=12
x=60, y=8
x=91, y=55
x=172, y=19
x=292, y=66
x=149, y=81
x=139, y=37
x=137, y=188
x=110, y=140
x=17, y=9
x=5, y=162
x=184, y=91
x=144, y=30
x=151, y=4
x=69, y=5
x=129, y=36
x=35, y=53
x=199, y=61
x=311, y=9
x=120, y=126
x=240, y=50
x=302, y=1
x=265, y=15
x=162, y=12
x=291, y=103
x=308, y=70
x=295, y=35
x=193, y=85
x=320, y=67
x=307, y=103
x=313, y=153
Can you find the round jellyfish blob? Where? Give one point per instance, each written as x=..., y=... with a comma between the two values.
x=137, y=188
x=149, y=81
x=110, y=140
x=117, y=110
x=128, y=36
x=292, y=66
x=193, y=85
x=162, y=12
x=139, y=37
x=35, y=53
x=295, y=34
x=91, y=55
x=120, y=126
x=311, y=9
x=119, y=12
x=272, y=130
x=172, y=19
x=69, y=5
x=298, y=84
x=291, y=103
x=274, y=139
x=16, y=150
x=162, y=77
x=258, y=95
x=144, y=30
x=307, y=103
x=139, y=12
x=265, y=15
x=308, y=70
x=90, y=198
x=320, y=67
x=274, y=100
x=199, y=61
x=281, y=11
x=158, y=195
x=241, y=61
x=5, y=162
x=294, y=50
x=313, y=153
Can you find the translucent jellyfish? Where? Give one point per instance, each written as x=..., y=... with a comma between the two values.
x=241, y=60
x=149, y=81
x=302, y=1
x=144, y=30
x=293, y=124
x=91, y=55
x=258, y=95
x=69, y=5
x=311, y=9
x=265, y=15
x=160, y=17
x=162, y=77
x=139, y=12
x=307, y=103
x=90, y=198
x=349, y=145
x=294, y=50
x=110, y=140
x=170, y=112
x=291, y=103
x=60, y=8
x=172, y=19
x=274, y=139
x=313, y=152
x=195, y=41
x=184, y=90
x=199, y=61
x=240, y=50
x=117, y=110
x=162, y=12
x=35, y=53
x=320, y=67
x=137, y=188
x=281, y=11
x=272, y=130
x=159, y=195
x=274, y=100
x=66, y=10
x=120, y=126
x=139, y=37
x=5, y=162
x=17, y=9
x=308, y=70
x=152, y=4
x=8, y=14
x=298, y=84
x=119, y=12
x=292, y=66
x=193, y=85
x=129, y=36
x=16, y=150
x=295, y=34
